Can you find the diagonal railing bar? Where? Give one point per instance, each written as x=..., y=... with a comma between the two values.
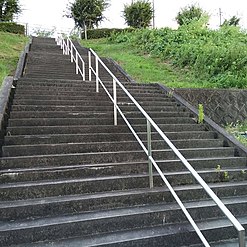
x=69, y=49
x=148, y=151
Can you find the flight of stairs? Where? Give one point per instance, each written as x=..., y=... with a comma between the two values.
x=69, y=177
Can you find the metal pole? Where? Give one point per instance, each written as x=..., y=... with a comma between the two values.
x=150, y=165
x=71, y=52
x=241, y=238
x=89, y=66
x=84, y=71
x=76, y=63
x=153, y=16
x=67, y=47
x=97, y=74
x=115, y=101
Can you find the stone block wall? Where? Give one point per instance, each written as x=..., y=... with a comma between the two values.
x=222, y=105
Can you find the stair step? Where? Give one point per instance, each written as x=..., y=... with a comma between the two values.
x=95, y=137
x=118, y=220
x=92, y=121
x=217, y=165
x=86, y=147
x=160, y=236
x=68, y=114
x=110, y=157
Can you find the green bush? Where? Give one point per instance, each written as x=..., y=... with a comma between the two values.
x=102, y=32
x=216, y=56
x=11, y=27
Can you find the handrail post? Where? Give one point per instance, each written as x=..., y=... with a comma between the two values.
x=115, y=101
x=150, y=165
x=63, y=47
x=71, y=52
x=84, y=71
x=97, y=74
x=67, y=47
x=89, y=66
x=76, y=63
x=241, y=238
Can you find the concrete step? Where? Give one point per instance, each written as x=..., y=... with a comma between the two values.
x=222, y=169
x=68, y=114
x=95, y=97
x=125, y=108
x=92, y=121
x=86, y=147
x=117, y=220
x=105, y=137
x=160, y=236
x=83, y=102
x=82, y=129
x=110, y=157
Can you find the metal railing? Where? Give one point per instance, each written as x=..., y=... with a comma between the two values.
x=69, y=49
x=148, y=151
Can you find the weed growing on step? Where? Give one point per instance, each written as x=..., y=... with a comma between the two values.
x=200, y=114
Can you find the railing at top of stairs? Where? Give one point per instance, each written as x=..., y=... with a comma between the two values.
x=69, y=49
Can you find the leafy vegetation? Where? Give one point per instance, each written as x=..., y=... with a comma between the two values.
x=238, y=130
x=8, y=8
x=10, y=48
x=189, y=14
x=138, y=14
x=87, y=13
x=216, y=56
x=142, y=67
x=12, y=27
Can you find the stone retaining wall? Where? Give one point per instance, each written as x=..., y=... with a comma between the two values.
x=222, y=105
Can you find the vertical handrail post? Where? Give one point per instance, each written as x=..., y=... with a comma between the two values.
x=97, y=74
x=67, y=47
x=89, y=66
x=150, y=165
x=115, y=101
x=63, y=47
x=71, y=52
x=84, y=71
x=241, y=238
x=76, y=63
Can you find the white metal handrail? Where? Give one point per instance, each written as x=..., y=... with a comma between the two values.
x=148, y=151
x=69, y=49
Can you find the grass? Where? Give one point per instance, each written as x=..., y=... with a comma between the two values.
x=236, y=131
x=142, y=67
x=11, y=46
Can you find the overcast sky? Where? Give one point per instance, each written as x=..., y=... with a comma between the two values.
x=49, y=13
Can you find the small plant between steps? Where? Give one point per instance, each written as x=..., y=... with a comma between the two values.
x=200, y=113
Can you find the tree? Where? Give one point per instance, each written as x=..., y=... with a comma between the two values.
x=233, y=21
x=8, y=8
x=138, y=14
x=188, y=14
x=39, y=32
x=87, y=13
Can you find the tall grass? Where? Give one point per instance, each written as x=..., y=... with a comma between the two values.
x=216, y=56
x=10, y=47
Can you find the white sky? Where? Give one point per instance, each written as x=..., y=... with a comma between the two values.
x=49, y=13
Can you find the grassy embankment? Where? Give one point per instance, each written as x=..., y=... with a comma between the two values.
x=11, y=46
x=190, y=57
x=143, y=67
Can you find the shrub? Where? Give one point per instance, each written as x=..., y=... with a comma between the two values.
x=102, y=32
x=12, y=27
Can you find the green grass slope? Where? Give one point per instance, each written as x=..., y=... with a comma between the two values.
x=11, y=46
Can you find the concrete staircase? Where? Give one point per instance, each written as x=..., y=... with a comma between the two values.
x=70, y=178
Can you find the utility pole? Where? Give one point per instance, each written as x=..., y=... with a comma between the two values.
x=220, y=14
x=153, y=16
